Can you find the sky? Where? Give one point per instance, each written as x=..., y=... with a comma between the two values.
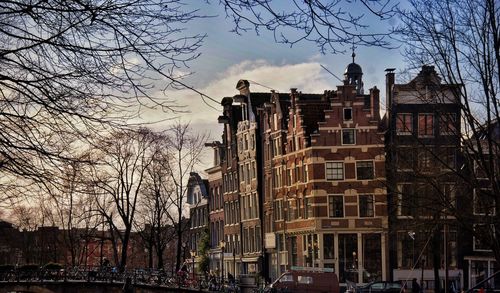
x=227, y=57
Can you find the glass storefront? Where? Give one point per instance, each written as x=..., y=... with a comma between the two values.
x=372, y=258
x=348, y=258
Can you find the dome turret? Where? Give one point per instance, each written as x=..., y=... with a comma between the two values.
x=353, y=75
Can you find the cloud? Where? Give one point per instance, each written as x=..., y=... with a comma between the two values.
x=307, y=77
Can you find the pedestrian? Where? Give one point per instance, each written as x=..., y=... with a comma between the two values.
x=415, y=287
x=128, y=287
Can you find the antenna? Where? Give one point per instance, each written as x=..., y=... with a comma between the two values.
x=331, y=73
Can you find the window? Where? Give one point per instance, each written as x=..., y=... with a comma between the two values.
x=278, y=211
x=334, y=170
x=308, y=210
x=366, y=205
x=348, y=136
x=448, y=158
x=372, y=257
x=424, y=160
x=364, y=170
x=484, y=203
x=425, y=125
x=405, y=158
x=482, y=229
x=293, y=243
x=336, y=206
x=406, y=200
x=290, y=210
x=348, y=257
x=482, y=168
x=347, y=114
x=286, y=278
x=304, y=279
x=447, y=124
x=404, y=123
x=328, y=246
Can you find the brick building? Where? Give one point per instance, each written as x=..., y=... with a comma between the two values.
x=310, y=182
x=328, y=183
x=216, y=205
x=198, y=200
x=423, y=145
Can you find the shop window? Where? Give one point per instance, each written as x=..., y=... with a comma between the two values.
x=372, y=258
x=348, y=258
x=328, y=246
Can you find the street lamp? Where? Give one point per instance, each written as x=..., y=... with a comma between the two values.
x=222, y=246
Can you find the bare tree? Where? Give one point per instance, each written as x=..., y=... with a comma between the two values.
x=462, y=38
x=126, y=155
x=185, y=149
x=156, y=204
x=330, y=24
x=71, y=67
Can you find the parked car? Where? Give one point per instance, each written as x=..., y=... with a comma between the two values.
x=305, y=281
x=381, y=287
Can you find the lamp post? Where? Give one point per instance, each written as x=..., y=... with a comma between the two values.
x=222, y=246
x=234, y=262
x=193, y=255
x=412, y=236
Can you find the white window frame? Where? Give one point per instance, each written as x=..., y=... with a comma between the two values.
x=343, y=206
x=334, y=162
x=403, y=132
x=373, y=205
x=354, y=136
x=373, y=169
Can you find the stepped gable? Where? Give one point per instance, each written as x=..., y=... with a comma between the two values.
x=311, y=108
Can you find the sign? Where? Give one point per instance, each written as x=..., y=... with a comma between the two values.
x=311, y=269
x=270, y=240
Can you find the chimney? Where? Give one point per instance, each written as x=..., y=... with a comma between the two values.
x=375, y=103
x=293, y=95
x=389, y=84
x=244, y=87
